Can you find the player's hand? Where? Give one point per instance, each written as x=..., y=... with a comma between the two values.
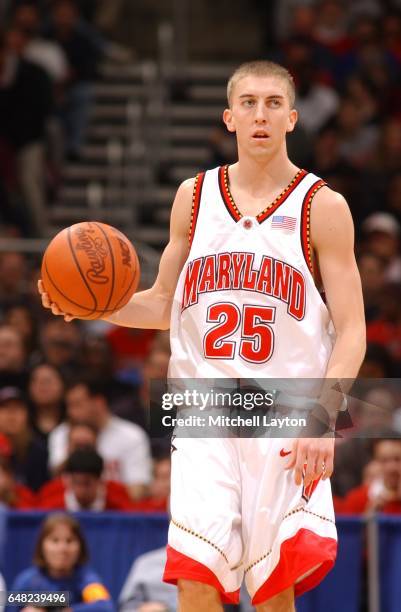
x=311, y=458
x=32, y=609
x=51, y=305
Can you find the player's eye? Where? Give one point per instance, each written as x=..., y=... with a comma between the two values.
x=274, y=103
x=248, y=103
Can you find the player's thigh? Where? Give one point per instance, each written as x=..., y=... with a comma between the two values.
x=276, y=512
x=206, y=493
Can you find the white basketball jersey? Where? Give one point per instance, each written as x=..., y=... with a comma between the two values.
x=246, y=304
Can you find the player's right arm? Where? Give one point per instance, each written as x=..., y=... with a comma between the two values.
x=151, y=309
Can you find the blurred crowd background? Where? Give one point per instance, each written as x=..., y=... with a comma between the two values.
x=73, y=397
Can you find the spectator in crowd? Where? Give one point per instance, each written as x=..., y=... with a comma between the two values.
x=317, y=102
x=369, y=58
x=45, y=53
x=144, y=589
x=383, y=492
x=327, y=161
x=13, y=369
x=22, y=319
x=124, y=446
x=371, y=414
x=331, y=27
x=129, y=346
x=60, y=565
x=52, y=59
x=155, y=367
x=385, y=329
x=387, y=154
x=28, y=457
x=13, y=495
x=391, y=34
x=363, y=94
x=357, y=139
x=83, y=52
x=60, y=345
x=97, y=363
x=24, y=130
x=46, y=395
x=371, y=268
x=13, y=278
x=82, y=487
x=81, y=435
x=377, y=363
x=157, y=499
x=382, y=237
x=161, y=340
x=393, y=195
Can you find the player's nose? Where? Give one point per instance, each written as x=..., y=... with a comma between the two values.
x=260, y=115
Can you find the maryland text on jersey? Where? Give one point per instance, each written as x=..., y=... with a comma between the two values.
x=235, y=271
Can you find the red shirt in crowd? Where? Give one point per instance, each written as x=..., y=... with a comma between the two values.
x=357, y=502
x=151, y=504
x=23, y=498
x=52, y=496
x=387, y=334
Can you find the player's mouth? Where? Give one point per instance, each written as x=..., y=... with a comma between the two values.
x=260, y=135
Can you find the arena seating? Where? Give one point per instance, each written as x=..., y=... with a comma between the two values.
x=116, y=540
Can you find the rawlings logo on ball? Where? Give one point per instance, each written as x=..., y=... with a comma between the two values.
x=96, y=252
x=125, y=252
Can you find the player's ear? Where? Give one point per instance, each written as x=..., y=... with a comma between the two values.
x=229, y=120
x=292, y=120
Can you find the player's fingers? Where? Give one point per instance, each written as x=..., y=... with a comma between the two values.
x=41, y=288
x=329, y=466
x=46, y=300
x=310, y=468
x=320, y=467
x=68, y=318
x=291, y=462
x=299, y=466
x=56, y=310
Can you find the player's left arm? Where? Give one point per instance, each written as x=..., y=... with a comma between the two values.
x=332, y=235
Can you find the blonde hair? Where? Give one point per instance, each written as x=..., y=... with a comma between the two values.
x=261, y=68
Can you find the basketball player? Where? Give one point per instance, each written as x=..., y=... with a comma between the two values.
x=238, y=286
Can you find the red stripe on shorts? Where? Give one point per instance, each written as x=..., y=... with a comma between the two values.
x=181, y=567
x=298, y=555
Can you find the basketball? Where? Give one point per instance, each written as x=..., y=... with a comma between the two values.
x=90, y=270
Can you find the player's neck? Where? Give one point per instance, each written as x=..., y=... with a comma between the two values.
x=264, y=174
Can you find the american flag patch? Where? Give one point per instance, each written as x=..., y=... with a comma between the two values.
x=283, y=222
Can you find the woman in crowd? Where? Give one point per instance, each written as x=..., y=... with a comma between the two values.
x=28, y=457
x=59, y=565
x=46, y=396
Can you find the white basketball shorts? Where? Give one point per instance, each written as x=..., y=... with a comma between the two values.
x=236, y=512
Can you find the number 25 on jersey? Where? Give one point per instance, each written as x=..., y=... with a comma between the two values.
x=257, y=339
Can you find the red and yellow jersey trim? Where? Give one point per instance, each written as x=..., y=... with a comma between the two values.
x=270, y=208
x=305, y=222
x=196, y=197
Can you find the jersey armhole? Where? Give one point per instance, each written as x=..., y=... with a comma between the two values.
x=196, y=197
x=305, y=223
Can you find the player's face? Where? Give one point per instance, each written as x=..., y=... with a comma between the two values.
x=260, y=114
x=61, y=549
